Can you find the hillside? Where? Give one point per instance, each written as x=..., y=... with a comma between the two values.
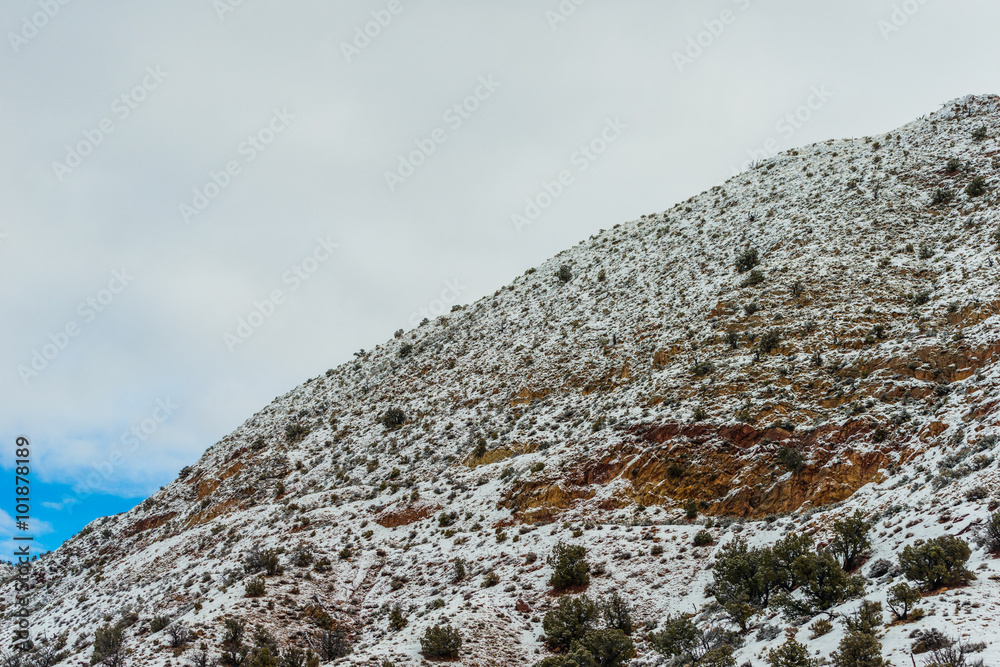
x=816, y=336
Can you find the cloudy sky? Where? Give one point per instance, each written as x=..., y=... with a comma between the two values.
x=207, y=202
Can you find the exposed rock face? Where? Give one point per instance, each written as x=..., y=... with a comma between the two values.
x=853, y=367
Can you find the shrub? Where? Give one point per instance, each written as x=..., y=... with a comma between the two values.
x=459, y=572
x=490, y=580
x=405, y=350
x=850, y=540
x=792, y=459
x=686, y=643
x=990, y=536
x=859, y=649
x=820, y=627
x=392, y=418
x=746, y=260
x=702, y=368
x=955, y=654
x=607, y=648
x=977, y=188
x=333, y=644
x=441, y=642
x=937, y=563
x=108, y=644
x=743, y=580
x=570, y=567
x=769, y=341
x=690, y=509
x=953, y=165
x=756, y=277
x=868, y=618
x=570, y=620
x=158, y=623
x=255, y=587
x=732, y=339
x=921, y=297
x=565, y=274
x=942, y=197
x=266, y=560
x=980, y=133
x=296, y=432
x=179, y=634
x=977, y=493
x=302, y=556
x=703, y=538
x=790, y=654
x=822, y=583
x=602, y=276
x=234, y=651
x=262, y=657
x=901, y=599
x=617, y=613
x=397, y=618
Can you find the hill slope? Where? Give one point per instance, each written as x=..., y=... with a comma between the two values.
x=853, y=367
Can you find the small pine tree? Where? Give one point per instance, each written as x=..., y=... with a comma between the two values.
x=746, y=260
x=570, y=567
x=565, y=274
x=850, y=540
x=570, y=620
x=607, y=648
x=397, y=618
x=937, y=563
x=902, y=599
x=617, y=613
x=859, y=649
x=109, y=644
x=790, y=654
x=441, y=641
x=990, y=536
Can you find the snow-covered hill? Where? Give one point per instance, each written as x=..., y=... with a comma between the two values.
x=588, y=402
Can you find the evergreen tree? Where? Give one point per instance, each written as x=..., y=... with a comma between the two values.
x=791, y=654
